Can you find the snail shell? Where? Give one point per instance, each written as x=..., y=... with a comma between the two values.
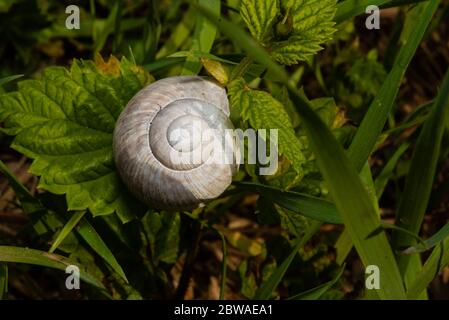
x=161, y=150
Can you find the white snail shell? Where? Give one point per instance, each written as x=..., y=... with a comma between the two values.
x=164, y=120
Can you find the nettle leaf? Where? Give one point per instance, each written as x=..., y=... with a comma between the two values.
x=259, y=16
x=262, y=111
x=312, y=26
x=65, y=122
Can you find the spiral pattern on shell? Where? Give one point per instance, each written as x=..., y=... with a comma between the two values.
x=160, y=147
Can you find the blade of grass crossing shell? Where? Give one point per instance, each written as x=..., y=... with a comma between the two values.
x=68, y=227
x=350, y=197
x=379, y=110
x=88, y=233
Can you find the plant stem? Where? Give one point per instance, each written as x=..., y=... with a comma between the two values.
x=190, y=259
x=241, y=68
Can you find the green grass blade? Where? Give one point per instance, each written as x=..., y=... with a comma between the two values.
x=267, y=288
x=163, y=63
x=94, y=240
x=224, y=265
x=179, y=35
x=3, y=280
x=68, y=227
x=306, y=205
x=200, y=54
x=436, y=262
x=377, y=114
x=344, y=243
x=352, y=201
x=385, y=175
x=350, y=8
x=44, y=259
x=317, y=292
x=203, y=37
x=431, y=242
x=419, y=181
x=5, y=80
x=29, y=203
x=343, y=247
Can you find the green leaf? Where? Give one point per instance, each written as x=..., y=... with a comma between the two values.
x=317, y=292
x=94, y=240
x=262, y=111
x=260, y=16
x=313, y=25
x=68, y=227
x=306, y=205
x=45, y=259
x=65, y=122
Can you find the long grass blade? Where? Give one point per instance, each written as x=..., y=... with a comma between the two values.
x=29, y=203
x=88, y=233
x=350, y=8
x=419, y=181
x=317, y=292
x=306, y=205
x=436, y=262
x=45, y=259
x=5, y=80
x=65, y=231
x=387, y=171
x=377, y=114
x=431, y=242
